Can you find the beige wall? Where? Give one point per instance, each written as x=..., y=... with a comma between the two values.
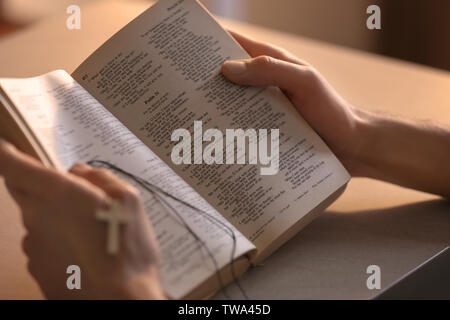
x=414, y=30
x=341, y=22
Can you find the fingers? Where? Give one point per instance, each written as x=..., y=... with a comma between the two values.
x=105, y=180
x=268, y=71
x=24, y=174
x=256, y=48
x=271, y=65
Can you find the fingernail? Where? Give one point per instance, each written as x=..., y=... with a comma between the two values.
x=5, y=144
x=79, y=167
x=235, y=67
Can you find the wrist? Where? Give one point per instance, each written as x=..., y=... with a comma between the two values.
x=365, y=141
x=144, y=286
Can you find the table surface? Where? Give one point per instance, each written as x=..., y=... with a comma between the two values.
x=373, y=223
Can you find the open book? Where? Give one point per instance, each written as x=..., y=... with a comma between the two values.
x=159, y=73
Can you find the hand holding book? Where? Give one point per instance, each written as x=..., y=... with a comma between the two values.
x=62, y=231
x=333, y=118
x=368, y=145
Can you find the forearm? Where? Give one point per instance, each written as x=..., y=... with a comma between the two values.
x=407, y=153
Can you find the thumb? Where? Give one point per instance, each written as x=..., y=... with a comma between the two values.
x=267, y=71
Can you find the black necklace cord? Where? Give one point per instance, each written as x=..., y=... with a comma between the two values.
x=157, y=192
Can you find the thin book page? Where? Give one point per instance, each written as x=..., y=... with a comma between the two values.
x=162, y=71
x=74, y=127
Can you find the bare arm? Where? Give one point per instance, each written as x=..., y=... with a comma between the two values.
x=407, y=153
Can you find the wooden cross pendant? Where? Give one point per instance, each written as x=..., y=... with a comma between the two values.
x=114, y=217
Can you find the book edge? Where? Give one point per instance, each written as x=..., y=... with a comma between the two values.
x=28, y=142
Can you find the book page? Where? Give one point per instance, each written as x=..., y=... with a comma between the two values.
x=162, y=72
x=74, y=127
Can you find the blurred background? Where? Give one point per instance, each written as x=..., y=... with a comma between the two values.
x=413, y=30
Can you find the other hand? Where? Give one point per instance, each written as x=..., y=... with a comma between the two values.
x=58, y=213
x=334, y=119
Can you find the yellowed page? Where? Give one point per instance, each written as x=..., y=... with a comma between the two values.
x=162, y=71
x=74, y=127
